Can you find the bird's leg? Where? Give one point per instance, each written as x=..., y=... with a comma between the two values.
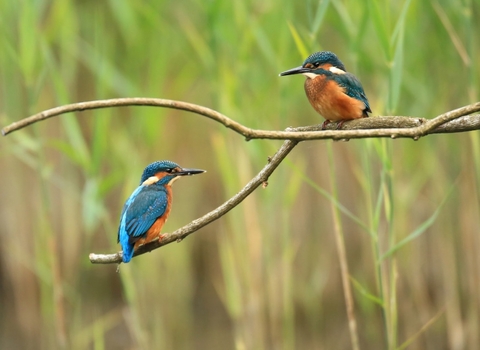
x=340, y=124
x=148, y=239
x=325, y=123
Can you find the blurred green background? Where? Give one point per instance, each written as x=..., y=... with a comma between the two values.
x=266, y=275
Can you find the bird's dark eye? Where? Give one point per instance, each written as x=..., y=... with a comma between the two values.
x=170, y=170
x=174, y=170
x=316, y=64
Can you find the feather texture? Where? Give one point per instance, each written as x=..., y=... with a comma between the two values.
x=145, y=206
x=336, y=96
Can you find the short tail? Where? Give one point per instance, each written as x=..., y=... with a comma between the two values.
x=127, y=253
x=127, y=247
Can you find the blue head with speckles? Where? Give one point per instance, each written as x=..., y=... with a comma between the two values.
x=158, y=167
x=323, y=58
x=168, y=171
x=323, y=62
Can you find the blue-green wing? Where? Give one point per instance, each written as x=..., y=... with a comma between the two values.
x=141, y=211
x=353, y=88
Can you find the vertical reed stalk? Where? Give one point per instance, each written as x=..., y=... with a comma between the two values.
x=342, y=255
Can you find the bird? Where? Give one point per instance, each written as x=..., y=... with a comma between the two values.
x=333, y=92
x=148, y=207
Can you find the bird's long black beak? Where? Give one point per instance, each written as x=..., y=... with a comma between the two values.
x=296, y=70
x=188, y=172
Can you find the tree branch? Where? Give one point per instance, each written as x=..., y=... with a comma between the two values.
x=181, y=233
x=457, y=120
x=389, y=126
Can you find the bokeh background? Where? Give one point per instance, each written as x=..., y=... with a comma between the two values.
x=266, y=275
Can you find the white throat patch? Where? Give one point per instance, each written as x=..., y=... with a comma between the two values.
x=151, y=180
x=310, y=75
x=336, y=70
x=173, y=180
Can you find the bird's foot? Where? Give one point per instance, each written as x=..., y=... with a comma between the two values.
x=340, y=124
x=325, y=123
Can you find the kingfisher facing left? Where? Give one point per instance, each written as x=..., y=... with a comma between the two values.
x=147, y=209
x=333, y=92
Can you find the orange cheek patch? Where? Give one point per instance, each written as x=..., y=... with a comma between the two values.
x=325, y=66
x=161, y=174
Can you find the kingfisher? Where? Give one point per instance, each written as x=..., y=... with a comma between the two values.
x=333, y=92
x=147, y=209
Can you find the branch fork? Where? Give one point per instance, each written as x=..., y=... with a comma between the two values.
x=457, y=120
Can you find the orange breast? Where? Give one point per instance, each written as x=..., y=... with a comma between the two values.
x=330, y=100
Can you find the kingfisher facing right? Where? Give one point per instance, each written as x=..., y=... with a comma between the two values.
x=333, y=92
x=148, y=207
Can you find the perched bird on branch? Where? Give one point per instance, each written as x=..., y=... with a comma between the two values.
x=337, y=95
x=147, y=209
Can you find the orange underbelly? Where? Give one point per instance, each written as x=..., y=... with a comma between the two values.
x=329, y=99
x=153, y=232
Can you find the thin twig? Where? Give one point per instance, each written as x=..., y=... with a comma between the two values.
x=195, y=225
x=392, y=127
